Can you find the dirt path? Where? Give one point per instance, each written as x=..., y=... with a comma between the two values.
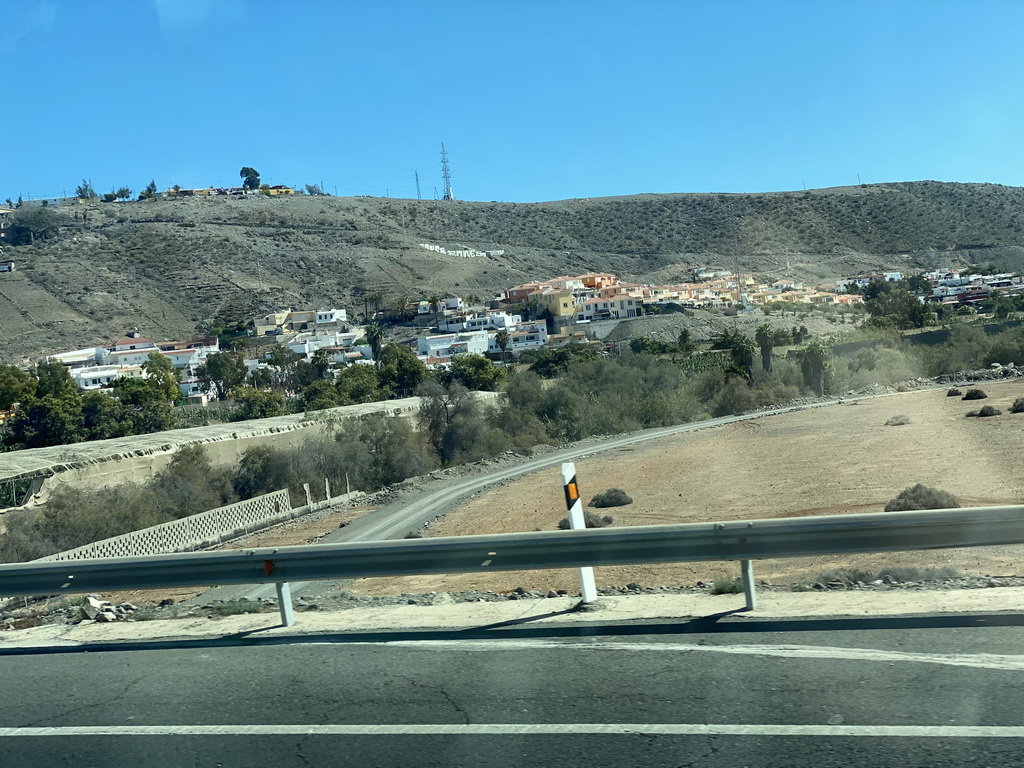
x=835, y=460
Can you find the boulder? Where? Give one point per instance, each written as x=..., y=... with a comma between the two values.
x=94, y=607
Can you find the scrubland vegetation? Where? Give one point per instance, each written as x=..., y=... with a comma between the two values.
x=561, y=396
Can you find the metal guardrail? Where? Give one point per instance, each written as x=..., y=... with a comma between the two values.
x=743, y=540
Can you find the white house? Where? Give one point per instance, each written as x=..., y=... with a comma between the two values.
x=619, y=306
x=306, y=343
x=325, y=316
x=447, y=345
x=98, y=376
x=79, y=358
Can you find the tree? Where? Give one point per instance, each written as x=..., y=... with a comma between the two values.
x=741, y=348
x=686, y=343
x=250, y=178
x=30, y=224
x=765, y=339
x=221, y=373
x=475, y=372
x=376, y=334
x=891, y=303
x=450, y=418
x=149, y=193
x=816, y=366
x=549, y=363
x=190, y=484
x=285, y=364
x=402, y=309
x=161, y=373
x=377, y=299
x=258, y=403
x=501, y=338
x=358, y=384
x=123, y=193
x=85, y=190
x=53, y=379
x=15, y=386
x=435, y=304
x=104, y=417
x=145, y=404
x=47, y=420
x=319, y=395
x=400, y=370
x=315, y=189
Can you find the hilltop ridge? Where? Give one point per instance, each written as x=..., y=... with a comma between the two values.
x=165, y=266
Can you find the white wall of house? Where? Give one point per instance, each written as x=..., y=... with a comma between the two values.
x=79, y=358
x=449, y=344
x=331, y=316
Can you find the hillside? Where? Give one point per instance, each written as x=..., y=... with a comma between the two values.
x=166, y=266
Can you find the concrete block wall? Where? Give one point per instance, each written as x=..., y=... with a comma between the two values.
x=203, y=530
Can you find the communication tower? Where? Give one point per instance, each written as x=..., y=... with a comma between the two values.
x=446, y=175
x=418, y=195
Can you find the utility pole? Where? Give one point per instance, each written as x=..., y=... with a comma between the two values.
x=446, y=175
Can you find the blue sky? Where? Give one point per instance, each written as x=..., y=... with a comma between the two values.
x=533, y=100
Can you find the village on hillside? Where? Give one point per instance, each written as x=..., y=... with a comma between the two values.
x=551, y=313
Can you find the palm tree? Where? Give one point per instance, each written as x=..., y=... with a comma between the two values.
x=765, y=338
x=376, y=298
x=435, y=304
x=501, y=339
x=375, y=335
x=816, y=366
x=402, y=309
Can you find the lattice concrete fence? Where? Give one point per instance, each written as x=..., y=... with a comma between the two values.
x=203, y=530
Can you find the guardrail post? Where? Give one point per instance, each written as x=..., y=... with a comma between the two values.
x=309, y=499
x=747, y=568
x=588, y=588
x=284, y=603
x=327, y=490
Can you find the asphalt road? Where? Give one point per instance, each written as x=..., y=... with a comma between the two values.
x=711, y=692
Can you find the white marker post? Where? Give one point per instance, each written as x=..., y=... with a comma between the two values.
x=588, y=589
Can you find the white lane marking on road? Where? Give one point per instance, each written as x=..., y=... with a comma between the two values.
x=486, y=562
x=977, y=660
x=514, y=729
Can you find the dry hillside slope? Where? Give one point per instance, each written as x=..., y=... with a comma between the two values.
x=166, y=266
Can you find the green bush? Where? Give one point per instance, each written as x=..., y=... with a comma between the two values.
x=1018, y=405
x=922, y=497
x=988, y=410
x=974, y=394
x=613, y=497
x=898, y=421
x=953, y=392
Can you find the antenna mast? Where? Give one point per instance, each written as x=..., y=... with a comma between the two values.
x=446, y=175
x=418, y=195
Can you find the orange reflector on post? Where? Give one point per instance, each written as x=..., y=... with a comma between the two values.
x=268, y=567
x=572, y=493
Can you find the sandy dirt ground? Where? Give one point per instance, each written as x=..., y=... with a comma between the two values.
x=836, y=460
